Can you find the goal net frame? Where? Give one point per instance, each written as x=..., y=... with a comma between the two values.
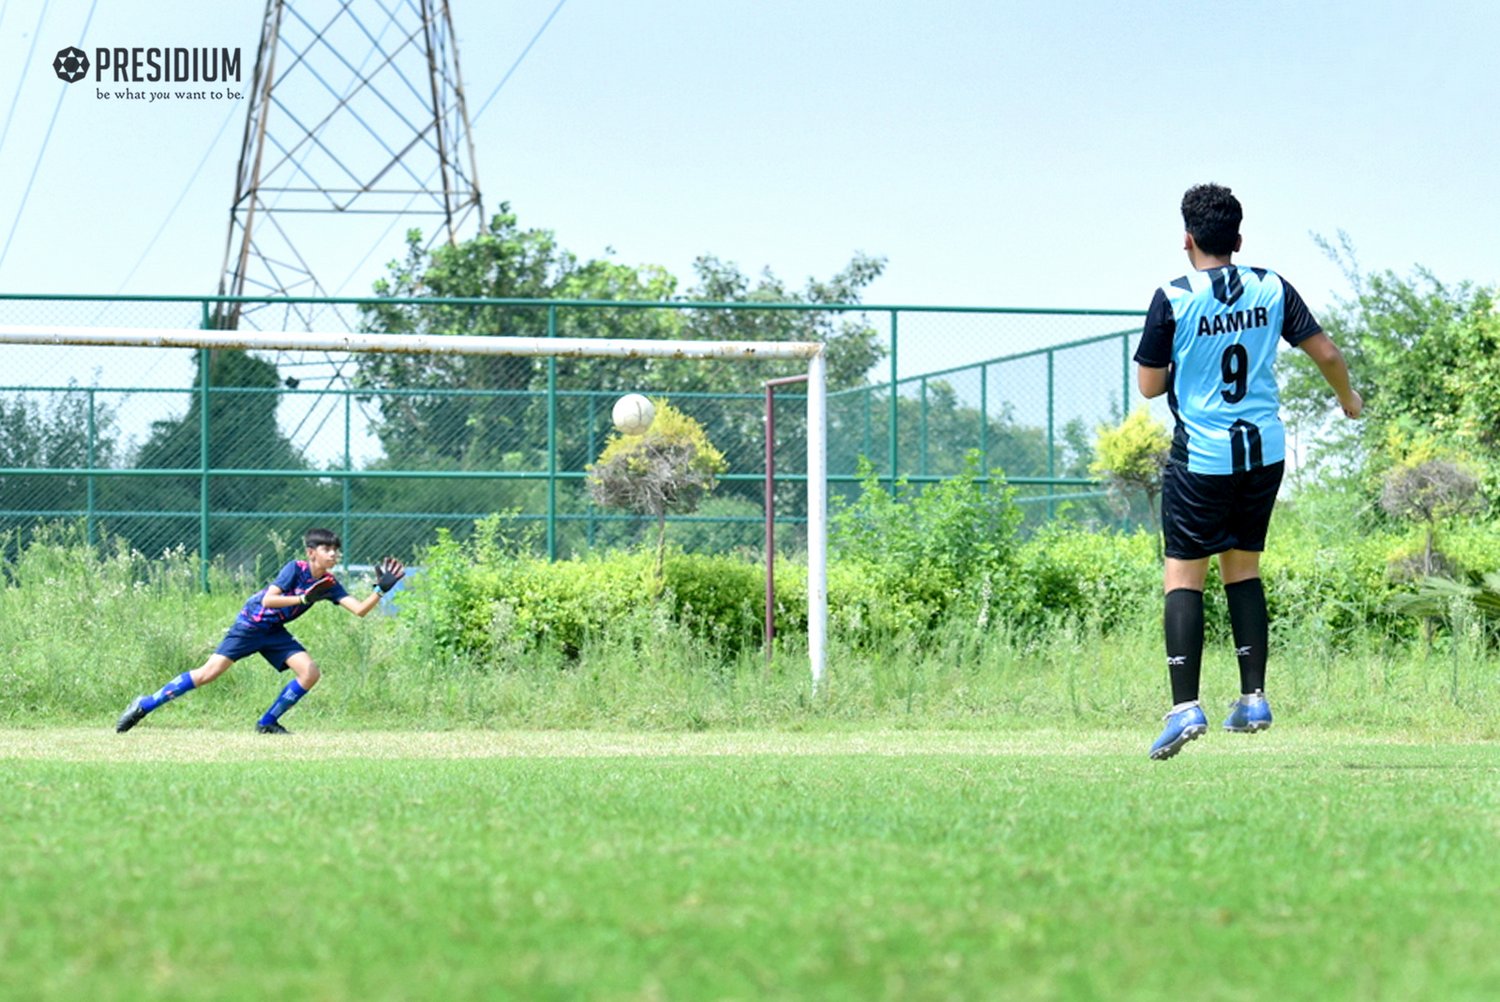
x=484, y=344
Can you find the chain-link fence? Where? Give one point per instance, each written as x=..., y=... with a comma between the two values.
x=234, y=454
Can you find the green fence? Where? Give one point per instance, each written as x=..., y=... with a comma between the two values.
x=234, y=454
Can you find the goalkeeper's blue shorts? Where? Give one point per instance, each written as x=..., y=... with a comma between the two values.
x=271, y=641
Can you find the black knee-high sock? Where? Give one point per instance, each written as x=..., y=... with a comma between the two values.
x=1252, y=628
x=1183, y=621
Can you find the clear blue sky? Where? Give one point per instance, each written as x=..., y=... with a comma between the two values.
x=996, y=153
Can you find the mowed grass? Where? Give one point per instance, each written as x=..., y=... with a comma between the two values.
x=188, y=864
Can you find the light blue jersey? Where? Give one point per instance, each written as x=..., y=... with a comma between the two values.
x=1216, y=332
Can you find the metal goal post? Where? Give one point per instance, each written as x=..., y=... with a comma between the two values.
x=424, y=344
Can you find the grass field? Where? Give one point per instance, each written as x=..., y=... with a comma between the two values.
x=177, y=863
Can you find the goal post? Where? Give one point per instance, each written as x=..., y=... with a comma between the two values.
x=811, y=352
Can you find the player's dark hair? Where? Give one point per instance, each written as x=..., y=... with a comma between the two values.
x=321, y=537
x=1212, y=214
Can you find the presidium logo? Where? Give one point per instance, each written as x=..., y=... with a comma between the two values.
x=71, y=64
x=120, y=67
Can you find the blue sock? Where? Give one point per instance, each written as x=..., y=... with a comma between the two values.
x=182, y=683
x=288, y=699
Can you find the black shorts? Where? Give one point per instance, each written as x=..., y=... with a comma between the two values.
x=1207, y=513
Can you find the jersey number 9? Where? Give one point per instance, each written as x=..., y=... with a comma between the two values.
x=1235, y=366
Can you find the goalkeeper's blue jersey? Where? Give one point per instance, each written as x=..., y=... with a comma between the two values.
x=1216, y=334
x=294, y=579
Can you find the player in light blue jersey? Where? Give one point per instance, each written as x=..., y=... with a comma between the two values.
x=1209, y=344
x=260, y=628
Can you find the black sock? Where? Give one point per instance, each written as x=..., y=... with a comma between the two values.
x=1184, y=629
x=1252, y=628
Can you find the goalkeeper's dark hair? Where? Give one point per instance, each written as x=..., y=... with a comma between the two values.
x=1212, y=214
x=322, y=537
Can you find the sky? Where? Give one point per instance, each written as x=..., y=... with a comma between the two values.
x=994, y=153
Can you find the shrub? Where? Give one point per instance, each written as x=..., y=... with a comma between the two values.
x=722, y=600
x=1132, y=456
x=476, y=600
x=1430, y=492
x=485, y=599
x=910, y=568
x=671, y=468
x=1068, y=573
x=926, y=550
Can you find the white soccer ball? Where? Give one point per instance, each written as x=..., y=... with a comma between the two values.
x=633, y=414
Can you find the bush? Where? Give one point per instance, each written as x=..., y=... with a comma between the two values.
x=722, y=600
x=906, y=568
x=479, y=600
x=487, y=599
x=1132, y=457
x=927, y=552
x=1066, y=573
x=671, y=468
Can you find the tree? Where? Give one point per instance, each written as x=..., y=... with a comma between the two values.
x=433, y=422
x=477, y=413
x=853, y=346
x=54, y=436
x=935, y=431
x=1426, y=358
x=243, y=434
x=1131, y=456
x=1430, y=492
x=671, y=468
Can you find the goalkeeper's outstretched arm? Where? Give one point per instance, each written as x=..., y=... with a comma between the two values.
x=387, y=573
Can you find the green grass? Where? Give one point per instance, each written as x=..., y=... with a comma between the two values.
x=176, y=863
x=84, y=629
x=967, y=814
x=77, y=659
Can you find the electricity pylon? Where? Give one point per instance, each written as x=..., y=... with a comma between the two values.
x=356, y=117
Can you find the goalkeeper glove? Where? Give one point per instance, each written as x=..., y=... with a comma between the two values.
x=388, y=572
x=320, y=588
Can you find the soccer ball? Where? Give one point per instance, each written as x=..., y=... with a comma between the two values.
x=633, y=414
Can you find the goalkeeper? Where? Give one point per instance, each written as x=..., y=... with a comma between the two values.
x=260, y=628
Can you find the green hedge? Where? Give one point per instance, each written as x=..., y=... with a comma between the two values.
x=477, y=600
x=907, y=563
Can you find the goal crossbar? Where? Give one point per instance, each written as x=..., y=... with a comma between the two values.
x=405, y=344
x=485, y=344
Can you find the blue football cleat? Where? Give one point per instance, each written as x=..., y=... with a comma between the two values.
x=1185, y=725
x=1248, y=714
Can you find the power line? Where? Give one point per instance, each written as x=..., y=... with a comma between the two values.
x=380, y=240
x=518, y=59
x=36, y=33
x=192, y=179
x=26, y=195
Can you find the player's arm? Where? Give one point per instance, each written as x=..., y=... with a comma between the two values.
x=1330, y=361
x=361, y=606
x=387, y=573
x=1151, y=380
x=275, y=598
x=1302, y=330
